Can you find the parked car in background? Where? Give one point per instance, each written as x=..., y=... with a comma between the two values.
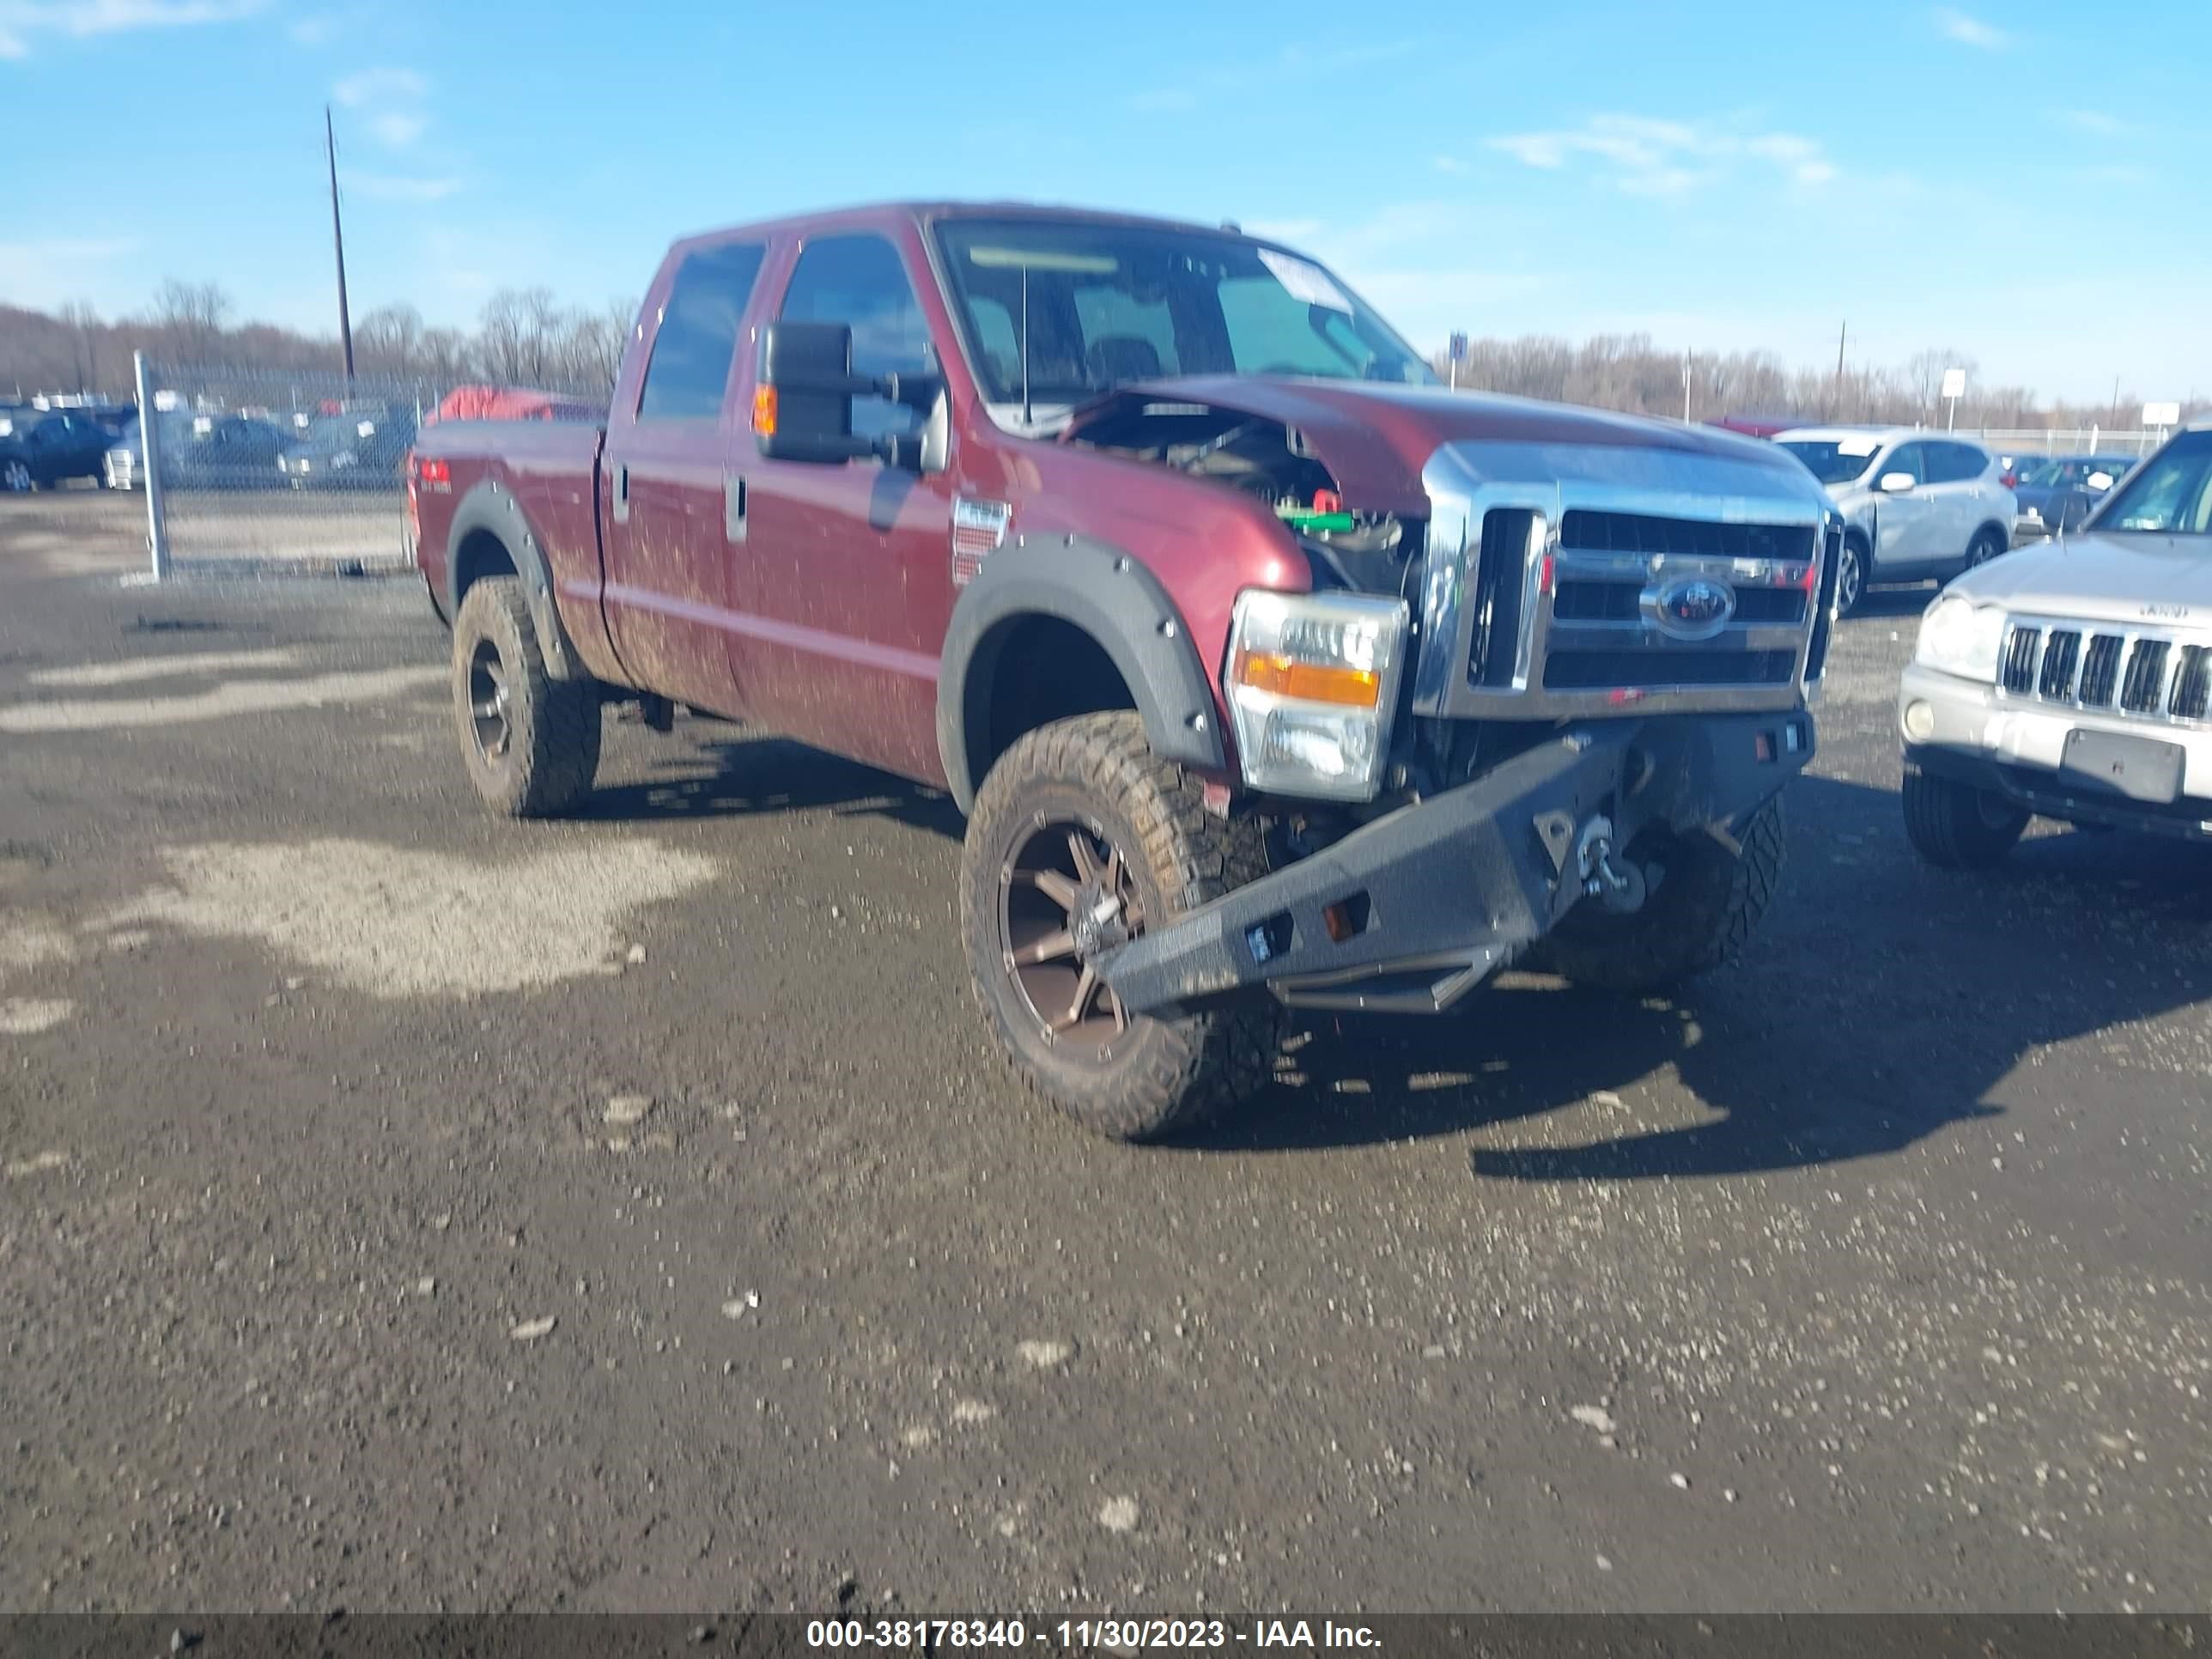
x=2072, y=680
x=1917, y=504
x=2057, y=492
x=361, y=450
x=40, y=448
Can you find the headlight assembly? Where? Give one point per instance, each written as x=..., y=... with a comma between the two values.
x=1311, y=684
x=1960, y=637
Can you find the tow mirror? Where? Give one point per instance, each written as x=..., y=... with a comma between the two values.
x=1896, y=483
x=803, y=401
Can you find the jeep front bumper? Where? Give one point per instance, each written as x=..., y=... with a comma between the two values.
x=1410, y=912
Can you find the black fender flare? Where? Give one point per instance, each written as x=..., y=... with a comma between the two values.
x=490, y=508
x=1111, y=596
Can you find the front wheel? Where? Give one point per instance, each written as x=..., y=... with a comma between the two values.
x=1955, y=826
x=16, y=477
x=531, y=742
x=1704, y=902
x=1081, y=839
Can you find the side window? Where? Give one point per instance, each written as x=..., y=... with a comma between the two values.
x=1907, y=458
x=697, y=339
x=861, y=282
x=1949, y=463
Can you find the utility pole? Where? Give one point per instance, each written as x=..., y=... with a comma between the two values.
x=1686, y=357
x=1842, y=331
x=337, y=239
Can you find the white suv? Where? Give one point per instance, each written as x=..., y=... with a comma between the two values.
x=1915, y=504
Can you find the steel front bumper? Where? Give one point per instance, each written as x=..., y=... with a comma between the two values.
x=1963, y=730
x=1409, y=912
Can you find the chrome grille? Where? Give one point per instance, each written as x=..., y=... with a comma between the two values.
x=2146, y=674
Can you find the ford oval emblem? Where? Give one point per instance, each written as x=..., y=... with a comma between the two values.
x=1695, y=608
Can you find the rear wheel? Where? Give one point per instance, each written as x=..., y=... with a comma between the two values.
x=1850, y=576
x=1082, y=838
x=1702, y=906
x=1988, y=543
x=1955, y=826
x=15, y=476
x=531, y=742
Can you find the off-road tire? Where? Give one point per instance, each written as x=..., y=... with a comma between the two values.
x=1702, y=909
x=1168, y=1076
x=551, y=752
x=1955, y=826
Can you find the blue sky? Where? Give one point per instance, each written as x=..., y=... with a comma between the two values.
x=2024, y=183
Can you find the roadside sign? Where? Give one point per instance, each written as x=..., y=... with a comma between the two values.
x=1459, y=348
x=1954, y=383
x=2162, y=414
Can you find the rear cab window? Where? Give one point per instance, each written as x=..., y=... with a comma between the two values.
x=696, y=341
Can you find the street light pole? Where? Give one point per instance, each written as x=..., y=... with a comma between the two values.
x=337, y=240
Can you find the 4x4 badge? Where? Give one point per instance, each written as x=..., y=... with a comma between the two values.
x=978, y=530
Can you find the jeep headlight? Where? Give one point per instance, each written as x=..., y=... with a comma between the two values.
x=1311, y=684
x=1960, y=637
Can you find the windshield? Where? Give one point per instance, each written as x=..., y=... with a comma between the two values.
x=2073, y=472
x=2170, y=493
x=1108, y=303
x=1834, y=460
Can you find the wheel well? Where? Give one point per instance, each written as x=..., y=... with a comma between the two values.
x=1992, y=526
x=1857, y=538
x=481, y=553
x=1036, y=670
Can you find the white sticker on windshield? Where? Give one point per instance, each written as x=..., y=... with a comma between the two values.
x=1305, y=282
x=1858, y=446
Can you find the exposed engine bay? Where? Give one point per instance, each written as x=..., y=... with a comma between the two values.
x=1264, y=459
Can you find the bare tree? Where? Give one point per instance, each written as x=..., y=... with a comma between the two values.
x=389, y=340
x=192, y=317
x=82, y=323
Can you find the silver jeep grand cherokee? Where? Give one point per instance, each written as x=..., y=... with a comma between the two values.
x=2072, y=680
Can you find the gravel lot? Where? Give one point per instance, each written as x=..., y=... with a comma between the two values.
x=402, y=1210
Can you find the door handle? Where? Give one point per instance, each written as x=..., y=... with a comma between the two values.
x=622, y=493
x=733, y=507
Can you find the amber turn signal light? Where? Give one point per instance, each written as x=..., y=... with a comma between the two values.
x=1284, y=676
x=764, y=411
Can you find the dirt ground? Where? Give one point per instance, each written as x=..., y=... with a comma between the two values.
x=406, y=1210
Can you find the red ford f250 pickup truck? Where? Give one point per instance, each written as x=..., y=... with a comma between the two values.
x=1266, y=671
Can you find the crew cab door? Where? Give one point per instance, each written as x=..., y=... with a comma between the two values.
x=667, y=483
x=1909, y=529
x=849, y=566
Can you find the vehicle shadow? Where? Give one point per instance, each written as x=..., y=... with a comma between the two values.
x=755, y=775
x=1880, y=1003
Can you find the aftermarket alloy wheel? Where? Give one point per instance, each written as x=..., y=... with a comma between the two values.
x=1081, y=839
x=16, y=477
x=1955, y=826
x=531, y=743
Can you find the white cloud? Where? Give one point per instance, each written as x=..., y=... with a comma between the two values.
x=315, y=29
x=379, y=86
x=397, y=129
x=1640, y=155
x=22, y=21
x=390, y=104
x=53, y=271
x=1969, y=31
x=2092, y=120
x=1449, y=164
x=401, y=187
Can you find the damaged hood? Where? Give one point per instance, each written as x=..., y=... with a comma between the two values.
x=1375, y=438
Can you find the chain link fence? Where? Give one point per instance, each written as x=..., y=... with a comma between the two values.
x=280, y=469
